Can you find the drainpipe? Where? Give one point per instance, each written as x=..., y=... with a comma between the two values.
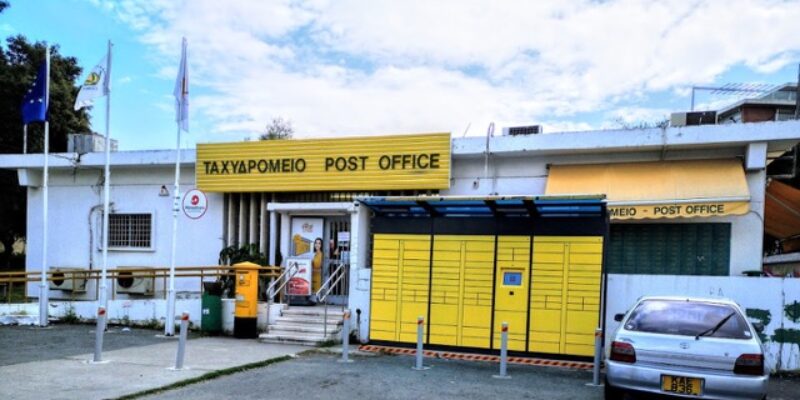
x=91, y=232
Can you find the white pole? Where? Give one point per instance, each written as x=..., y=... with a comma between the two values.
x=170, y=318
x=181, y=97
x=106, y=185
x=43, y=288
x=25, y=139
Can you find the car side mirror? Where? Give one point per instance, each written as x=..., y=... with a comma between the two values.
x=759, y=326
x=619, y=317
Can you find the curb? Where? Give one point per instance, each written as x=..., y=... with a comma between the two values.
x=479, y=357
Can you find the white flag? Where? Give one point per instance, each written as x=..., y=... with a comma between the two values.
x=182, y=92
x=97, y=84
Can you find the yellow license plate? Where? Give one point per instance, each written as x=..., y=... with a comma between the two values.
x=682, y=385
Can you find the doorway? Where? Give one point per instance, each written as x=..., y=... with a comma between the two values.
x=337, y=258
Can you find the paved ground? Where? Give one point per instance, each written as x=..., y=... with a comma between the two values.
x=320, y=376
x=139, y=362
x=52, y=364
x=21, y=344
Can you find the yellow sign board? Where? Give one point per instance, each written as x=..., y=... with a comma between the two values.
x=400, y=162
x=685, y=210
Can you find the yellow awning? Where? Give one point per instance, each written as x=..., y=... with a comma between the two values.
x=663, y=189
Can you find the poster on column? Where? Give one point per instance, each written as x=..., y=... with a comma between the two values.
x=306, y=253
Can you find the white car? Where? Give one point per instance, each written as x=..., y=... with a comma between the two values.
x=688, y=348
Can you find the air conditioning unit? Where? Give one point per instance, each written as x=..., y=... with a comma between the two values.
x=692, y=118
x=522, y=130
x=135, y=283
x=68, y=279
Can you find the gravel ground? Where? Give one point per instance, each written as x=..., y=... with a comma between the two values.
x=320, y=376
x=21, y=344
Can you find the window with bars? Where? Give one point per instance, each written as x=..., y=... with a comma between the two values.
x=130, y=231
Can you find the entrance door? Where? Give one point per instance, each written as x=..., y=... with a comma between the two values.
x=337, y=255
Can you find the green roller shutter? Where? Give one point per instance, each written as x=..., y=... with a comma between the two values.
x=669, y=249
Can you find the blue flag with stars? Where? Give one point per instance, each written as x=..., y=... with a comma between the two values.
x=34, y=104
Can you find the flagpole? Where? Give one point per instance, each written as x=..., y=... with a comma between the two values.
x=106, y=184
x=43, y=288
x=169, y=323
x=24, y=138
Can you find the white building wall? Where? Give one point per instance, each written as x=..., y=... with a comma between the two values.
x=73, y=194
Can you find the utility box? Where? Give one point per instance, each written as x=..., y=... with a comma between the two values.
x=211, y=304
x=246, y=315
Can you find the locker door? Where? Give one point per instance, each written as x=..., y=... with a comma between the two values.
x=511, y=290
x=461, y=290
x=583, y=294
x=565, y=295
x=400, y=268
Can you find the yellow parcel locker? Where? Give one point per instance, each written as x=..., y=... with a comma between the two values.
x=511, y=290
x=400, y=272
x=565, y=294
x=461, y=290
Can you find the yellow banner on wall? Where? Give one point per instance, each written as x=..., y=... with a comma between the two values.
x=399, y=162
x=685, y=210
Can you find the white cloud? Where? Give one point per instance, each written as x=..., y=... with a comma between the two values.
x=361, y=67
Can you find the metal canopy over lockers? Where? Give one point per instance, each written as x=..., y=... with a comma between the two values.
x=469, y=264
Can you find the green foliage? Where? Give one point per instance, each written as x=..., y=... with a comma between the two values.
x=247, y=253
x=783, y=335
x=70, y=317
x=793, y=311
x=763, y=316
x=19, y=60
x=279, y=128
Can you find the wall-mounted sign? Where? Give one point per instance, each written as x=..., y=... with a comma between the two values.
x=195, y=204
x=360, y=163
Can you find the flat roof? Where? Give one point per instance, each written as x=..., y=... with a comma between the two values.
x=779, y=136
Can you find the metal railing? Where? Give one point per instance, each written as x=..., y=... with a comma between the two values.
x=280, y=282
x=9, y=280
x=336, y=282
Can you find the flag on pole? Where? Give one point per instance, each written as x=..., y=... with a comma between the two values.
x=182, y=92
x=97, y=84
x=34, y=104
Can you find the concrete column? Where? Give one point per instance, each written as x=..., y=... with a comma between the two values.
x=232, y=218
x=286, y=227
x=273, y=235
x=262, y=225
x=242, y=220
x=253, y=214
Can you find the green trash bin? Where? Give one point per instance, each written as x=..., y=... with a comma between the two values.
x=211, y=308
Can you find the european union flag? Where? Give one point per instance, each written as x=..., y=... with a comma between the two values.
x=34, y=104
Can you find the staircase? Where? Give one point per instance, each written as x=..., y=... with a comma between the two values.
x=304, y=325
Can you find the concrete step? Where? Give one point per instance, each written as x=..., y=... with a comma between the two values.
x=307, y=340
x=304, y=328
x=307, y=320
x=279, y=330
x=318, y=311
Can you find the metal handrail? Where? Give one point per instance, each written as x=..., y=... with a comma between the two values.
x=327, y=287
x=325, y=290
x=282, y=280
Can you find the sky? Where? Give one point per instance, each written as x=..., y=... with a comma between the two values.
x=372, y=67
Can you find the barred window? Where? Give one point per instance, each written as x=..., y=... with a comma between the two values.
x=130, y=231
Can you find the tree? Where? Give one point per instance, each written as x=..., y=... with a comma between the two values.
x=19, y=62
x=279, y=129
x=660, y=124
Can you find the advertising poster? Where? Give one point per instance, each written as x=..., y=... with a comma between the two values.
x=300, y=283
x=306, y=252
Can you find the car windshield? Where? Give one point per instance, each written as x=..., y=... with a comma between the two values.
x=689, y=318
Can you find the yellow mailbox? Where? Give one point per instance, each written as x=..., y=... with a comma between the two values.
x=244, y=321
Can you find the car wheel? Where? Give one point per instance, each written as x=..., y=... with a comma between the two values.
x=612, y=393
